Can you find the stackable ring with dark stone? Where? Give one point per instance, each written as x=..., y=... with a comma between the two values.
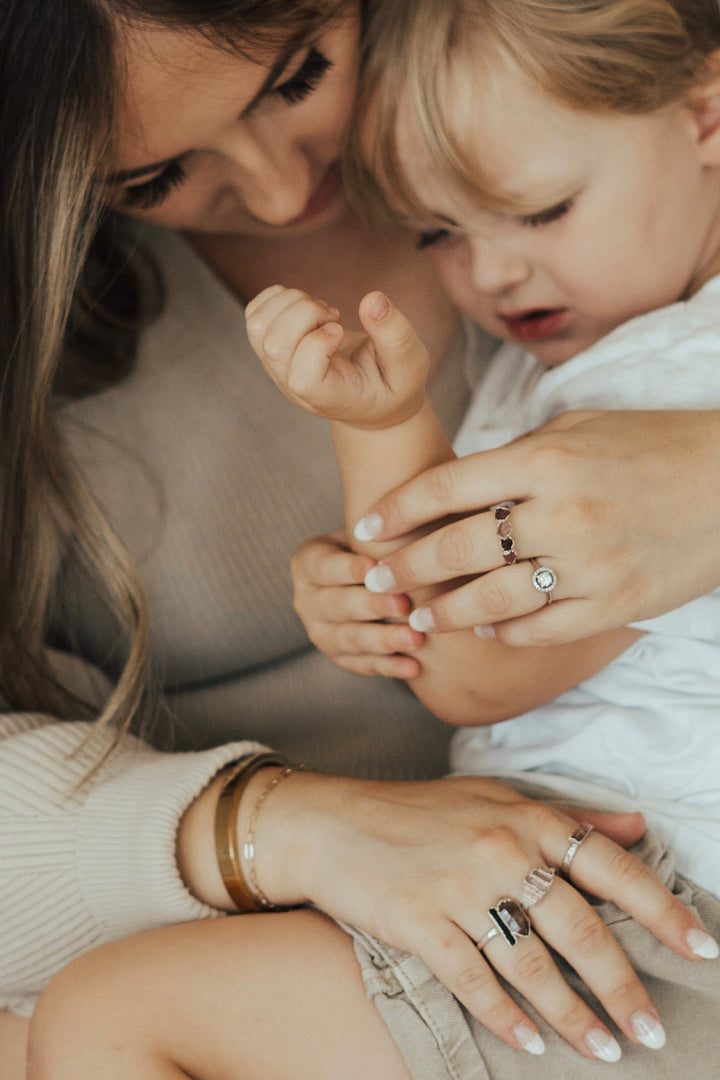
x=574, y=841
x=503, y=528
x=544, y=579
x=511, y=922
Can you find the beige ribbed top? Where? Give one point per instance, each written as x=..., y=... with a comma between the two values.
x=212, y=480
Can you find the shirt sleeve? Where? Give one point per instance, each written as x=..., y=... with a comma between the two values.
x=87, y=857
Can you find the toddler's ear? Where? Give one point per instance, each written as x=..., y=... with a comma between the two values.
x=704, y=102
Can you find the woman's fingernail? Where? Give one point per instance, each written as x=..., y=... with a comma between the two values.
x=484, y=631
x=332, y=329
x=422, y=619
x=648, y=1030
x=701, y=944
x=529, y=1039
x=368, y=527
x=602, y=1045
x=379, y=307
x=380, y=579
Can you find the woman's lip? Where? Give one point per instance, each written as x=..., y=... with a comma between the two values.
x=324, y=194
x=536, y=323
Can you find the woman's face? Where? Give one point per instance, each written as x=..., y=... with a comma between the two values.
x=210, y=141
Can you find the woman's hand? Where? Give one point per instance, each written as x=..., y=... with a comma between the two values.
x=621, y=505
x=362, y=632
x=419, y=865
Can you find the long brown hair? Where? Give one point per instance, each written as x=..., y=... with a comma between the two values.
x=71, y=301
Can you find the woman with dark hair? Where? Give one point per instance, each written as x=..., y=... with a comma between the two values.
x=162, y=162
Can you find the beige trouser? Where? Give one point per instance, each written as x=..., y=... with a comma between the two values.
x=441, y=1041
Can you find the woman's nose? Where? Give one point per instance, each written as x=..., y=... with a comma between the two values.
x=495, y=267
x=274, y=180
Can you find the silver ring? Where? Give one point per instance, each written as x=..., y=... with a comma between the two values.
x=492, y=932
x=511, y=920
x=574, y=841
x=544, y=579
x=535, y=885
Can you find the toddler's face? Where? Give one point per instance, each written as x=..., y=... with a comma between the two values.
x=625, y=213
x=211, y=141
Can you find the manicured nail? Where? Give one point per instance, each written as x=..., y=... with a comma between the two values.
x=530, y=1040
x=379, y=307
x=380, y=579
x=422, y=619
x=648, y=1030
x=368, y=527
x=602, y=1045
x=485, y=631
x=701, y=944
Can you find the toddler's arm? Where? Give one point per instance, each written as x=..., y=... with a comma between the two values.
x=386, y=432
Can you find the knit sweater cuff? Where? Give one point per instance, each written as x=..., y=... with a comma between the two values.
x=133, y=883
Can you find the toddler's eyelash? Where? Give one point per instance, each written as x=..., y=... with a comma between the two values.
x=306, y=78
x=427, y=239
x=154, y=192
x=546, y=217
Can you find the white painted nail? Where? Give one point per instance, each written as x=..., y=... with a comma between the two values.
x=602, y=1045
x=380, y=579
x=368, y=527
x=648, y=1030
x=530, y=1040
x=485, y=631
x=702, y=944
x=422, y=619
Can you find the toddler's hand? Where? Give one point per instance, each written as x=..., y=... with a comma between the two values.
x=346, y=621
x=377, y=380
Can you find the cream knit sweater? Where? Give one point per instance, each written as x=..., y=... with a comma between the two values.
x=212, y=480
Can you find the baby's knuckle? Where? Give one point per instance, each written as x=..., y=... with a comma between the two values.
x=274, y=346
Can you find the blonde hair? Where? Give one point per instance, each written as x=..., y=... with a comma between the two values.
x=626, y=56
x=72, y=300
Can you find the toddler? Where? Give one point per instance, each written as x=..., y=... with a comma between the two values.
x=561, y=162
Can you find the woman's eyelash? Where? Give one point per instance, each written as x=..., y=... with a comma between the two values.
x=154, y=192
x=306, y=78
x=546, y=217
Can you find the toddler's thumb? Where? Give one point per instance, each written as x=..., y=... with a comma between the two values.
x=390, y=331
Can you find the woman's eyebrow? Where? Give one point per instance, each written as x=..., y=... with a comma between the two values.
x=145, y=170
